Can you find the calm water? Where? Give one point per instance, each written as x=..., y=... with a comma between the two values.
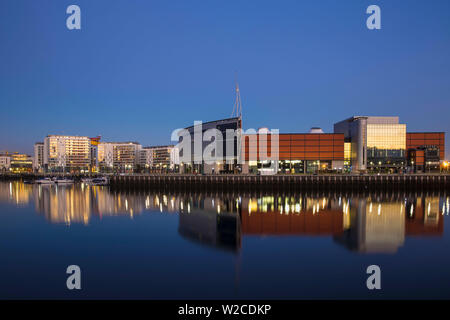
x=147, y=245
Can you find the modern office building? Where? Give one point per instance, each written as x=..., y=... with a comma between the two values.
x=119, y=156
x=374, y=142
x=15, y=162
x=297, y=152
x=67, y=153
x=38, y=158
x=426, y=150
x=21, y=163
x=383, y=144
x=358, y=144
x=195, y=161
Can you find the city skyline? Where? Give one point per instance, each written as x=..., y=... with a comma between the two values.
x=299, y=65
x=217, y=158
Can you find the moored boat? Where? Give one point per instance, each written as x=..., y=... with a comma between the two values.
x=44, y=181
x=64, y=181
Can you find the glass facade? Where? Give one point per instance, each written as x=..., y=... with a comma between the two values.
x=386, y=145
x=347, y=151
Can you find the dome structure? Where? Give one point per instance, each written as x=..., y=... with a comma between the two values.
x=316, y=130
x=263, y=130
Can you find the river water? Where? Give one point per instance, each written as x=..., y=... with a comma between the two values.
x=142, y=245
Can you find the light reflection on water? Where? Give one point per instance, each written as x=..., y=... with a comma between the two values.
x=245, y=225
x=366, y=224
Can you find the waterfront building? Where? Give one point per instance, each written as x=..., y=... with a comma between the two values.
x=383, y=144
x=67, y=153
x=158, y=159
x=105, y=156
x=297, y=153
x=426, y=150
x=21, y=163
x=119, y=156
x=94, y=153
x=196, y=162
x=146, y=159
x=38, y=159
x=374, y=142
x=15, y=162
x=5, y=162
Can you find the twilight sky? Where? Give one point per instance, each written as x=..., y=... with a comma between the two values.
x=139, y=69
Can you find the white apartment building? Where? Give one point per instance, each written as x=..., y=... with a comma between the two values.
x=38, y=158
x=5, y=162
x=67, y=153
x=146, y=158
x=159, y=158
x=119, y=156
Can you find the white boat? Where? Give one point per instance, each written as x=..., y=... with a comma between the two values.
x=64, y=181
x=87, y=180
x=44, y=181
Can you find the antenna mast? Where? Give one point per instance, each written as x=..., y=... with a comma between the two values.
x=237, y=108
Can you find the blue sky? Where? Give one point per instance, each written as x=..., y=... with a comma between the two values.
x=139, y=69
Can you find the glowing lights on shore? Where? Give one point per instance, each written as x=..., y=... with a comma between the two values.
x=76, y=204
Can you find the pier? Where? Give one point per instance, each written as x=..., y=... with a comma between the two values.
x=285, y=183
x=270, y=183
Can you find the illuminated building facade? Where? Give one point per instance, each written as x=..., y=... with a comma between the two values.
x=383, y=144
x=15, y=162
x=297, y=152
x=374, y=142
x=158, y=159
x=38, y=159
x=426, y=150
x=105, y=158
x=67, y=153
x=5, y=162
x=119, y=156
x=94, y=153
x=21, y=163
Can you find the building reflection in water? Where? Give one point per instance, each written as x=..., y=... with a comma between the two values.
x=364, y=224
x=380, y=226
x=211, y=221
x=15, y=192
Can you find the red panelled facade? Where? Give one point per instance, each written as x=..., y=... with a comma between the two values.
x=298, y=146
x=416, y=140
